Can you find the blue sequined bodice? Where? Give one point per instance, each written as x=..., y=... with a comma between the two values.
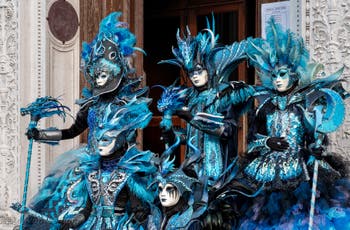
x=283, y=168
x=287, y=124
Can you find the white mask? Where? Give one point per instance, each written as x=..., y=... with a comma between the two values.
x=282, y=80
x=168, y=195
x=199, y=76
x=106, y=146
x=102, y=78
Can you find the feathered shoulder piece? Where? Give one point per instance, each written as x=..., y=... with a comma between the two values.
x=280, y=48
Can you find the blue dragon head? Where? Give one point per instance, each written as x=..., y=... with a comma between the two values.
x=172, y=98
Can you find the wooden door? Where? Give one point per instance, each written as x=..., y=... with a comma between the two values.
x=162, y=19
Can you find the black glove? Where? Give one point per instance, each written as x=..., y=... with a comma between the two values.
x=238, y=84
x=184, y=114
x=73, y=222
x=277, y=143
x=221, y=214
x=167, y=136
x=317, y=152
x=33, y=133
x=141, y=214
x=214, y=220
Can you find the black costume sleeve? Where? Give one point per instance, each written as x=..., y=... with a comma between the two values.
x=257, y=123
x=79, y=125
x=230, y=126
x=139, y=209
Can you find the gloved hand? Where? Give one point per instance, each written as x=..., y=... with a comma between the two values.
x=184, y=114
x=238, y=84
x=317, y=152
x=214, y=220
x=277, y=143
x=167, y=136
x=33, y=133
x=221, y=214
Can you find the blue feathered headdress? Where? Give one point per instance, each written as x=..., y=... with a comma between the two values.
x=167, y=173
x=280, y=48
x=119, y=38
x=203, y=49
x=192, y=50
x=122, y=119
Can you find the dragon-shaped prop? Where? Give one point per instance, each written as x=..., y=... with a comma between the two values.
x=42, y=107
x=172, y=99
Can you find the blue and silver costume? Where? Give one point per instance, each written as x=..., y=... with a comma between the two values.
x=105, y=57
x=85, y=190
x=186, y=213
x=213, y=109
x=101, y=192
x=298, y=118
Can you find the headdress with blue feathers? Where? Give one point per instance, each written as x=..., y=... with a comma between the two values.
x=202, y=49
x=119, y=120
x=177, y=177
x=107, y=51
x=280, y=48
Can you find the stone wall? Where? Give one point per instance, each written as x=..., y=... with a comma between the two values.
x=326, y=29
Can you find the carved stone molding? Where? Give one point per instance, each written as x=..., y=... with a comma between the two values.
x=62, y=74
x=327, y=34
x=9, y=116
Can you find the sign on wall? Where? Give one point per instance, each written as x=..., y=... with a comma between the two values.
x=279, y=10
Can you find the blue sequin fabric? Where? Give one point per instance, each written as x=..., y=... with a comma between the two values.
x=279, y=170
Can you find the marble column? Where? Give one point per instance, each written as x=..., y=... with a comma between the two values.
x=9, y=115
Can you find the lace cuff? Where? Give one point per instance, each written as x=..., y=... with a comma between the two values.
x=258, y=144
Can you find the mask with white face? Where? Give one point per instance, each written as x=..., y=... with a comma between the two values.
x=282, y=80
x=198, y=76
x=102, y=78
x=107, y=145
x=168, y=195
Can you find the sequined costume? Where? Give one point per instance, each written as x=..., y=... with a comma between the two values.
x=280, y=116
x=112, y=188
x=288, y=133
x=89, y=191
x=104, y=58
x=212, y=108
x=84, y=190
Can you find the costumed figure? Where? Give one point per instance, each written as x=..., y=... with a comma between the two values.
x=186, y=202
x=210, y=107
x=296, y=111
x=181, y=193
x=104, y=63
x=105, y=67
x=107, y=190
